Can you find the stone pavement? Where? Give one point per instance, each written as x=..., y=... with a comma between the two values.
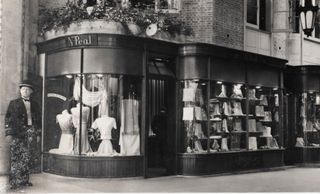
x=299, y=179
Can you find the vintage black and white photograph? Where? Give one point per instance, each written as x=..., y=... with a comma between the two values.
x=159, y=96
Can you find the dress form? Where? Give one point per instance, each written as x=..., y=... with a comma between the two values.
x=66, y=140
x=85, y=147
x=105, y=124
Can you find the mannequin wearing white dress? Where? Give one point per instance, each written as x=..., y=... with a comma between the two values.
x=105, y=124
x=66, y=139
x=85, y=146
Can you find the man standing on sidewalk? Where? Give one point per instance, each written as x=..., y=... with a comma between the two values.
x=22, y=123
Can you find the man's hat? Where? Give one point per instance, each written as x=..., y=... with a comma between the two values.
x=26, y=83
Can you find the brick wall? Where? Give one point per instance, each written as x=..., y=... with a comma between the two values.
x=199, y=15
x=215, y=21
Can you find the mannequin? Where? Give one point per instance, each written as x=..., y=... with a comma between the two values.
x=105, y=124
x=66, y=140
x=252, y=94
x=85, y=147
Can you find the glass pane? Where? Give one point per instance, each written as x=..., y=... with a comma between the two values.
x=59, y=90
x=308, y=120
x=252, y=7
x=194, y=115
x=100, y=115
x=227, y=115
x=264, y=122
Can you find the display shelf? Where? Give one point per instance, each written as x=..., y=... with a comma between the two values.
x=238, y=132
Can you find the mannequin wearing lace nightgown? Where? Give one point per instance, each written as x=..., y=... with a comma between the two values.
x=85, y=146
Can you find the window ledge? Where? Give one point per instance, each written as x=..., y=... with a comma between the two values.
x=312, y=39
x=257, y=29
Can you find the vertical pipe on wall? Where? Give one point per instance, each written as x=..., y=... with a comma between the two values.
x=42, y=63
x=81, y=83
x=144, y=108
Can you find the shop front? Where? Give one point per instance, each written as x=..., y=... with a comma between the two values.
x=230, y=115
x=303, y=105
x=125, y=106
x=97, y=106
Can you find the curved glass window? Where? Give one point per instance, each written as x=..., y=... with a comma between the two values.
x=93, y=114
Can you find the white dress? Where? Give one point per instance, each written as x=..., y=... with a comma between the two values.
x=85, y=146
x=66, y=139
x=105, y=124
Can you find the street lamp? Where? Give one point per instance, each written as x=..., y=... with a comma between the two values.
x=308, y=12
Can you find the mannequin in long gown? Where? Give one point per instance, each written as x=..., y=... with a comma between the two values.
x=85, y=146
x=66, y=140
x=105, y=124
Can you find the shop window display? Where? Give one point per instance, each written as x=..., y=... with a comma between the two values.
x=263, y=122
x=93, y=115
x=194, y=115
x=308, y=120
x=227, y=117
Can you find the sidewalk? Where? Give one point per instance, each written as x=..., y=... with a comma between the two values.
x=301, y=179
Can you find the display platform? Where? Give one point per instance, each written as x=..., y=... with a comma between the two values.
x=93, y=167
x=231, y=161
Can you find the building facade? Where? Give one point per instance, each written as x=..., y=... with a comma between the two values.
x=237, y=29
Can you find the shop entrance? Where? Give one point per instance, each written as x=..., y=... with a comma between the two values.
x=161, y=127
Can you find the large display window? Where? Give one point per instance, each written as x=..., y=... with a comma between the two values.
x=93, y=115
x=223, y=122
x=308, y=119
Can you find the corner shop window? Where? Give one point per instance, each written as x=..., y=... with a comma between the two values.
x=308, y=120
x=101, y=117
x=264, y=122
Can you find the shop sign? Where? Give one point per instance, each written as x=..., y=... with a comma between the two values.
x=81, y=40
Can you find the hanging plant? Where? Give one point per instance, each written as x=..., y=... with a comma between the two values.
x=142, y=15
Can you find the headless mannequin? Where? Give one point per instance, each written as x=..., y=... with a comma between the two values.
x=85, y=147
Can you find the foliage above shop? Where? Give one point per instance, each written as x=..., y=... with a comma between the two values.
x=140, y=14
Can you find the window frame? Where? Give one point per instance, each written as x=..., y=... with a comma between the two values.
x=171, y=9
x=256, y=26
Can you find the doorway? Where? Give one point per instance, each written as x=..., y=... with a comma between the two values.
x=161, y=151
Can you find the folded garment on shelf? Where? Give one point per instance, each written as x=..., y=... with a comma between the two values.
x=216, y=127
x=299, y=142
x=253, y=143
x=223, y=93
x=236, y=92
x=276, y=99
x=259, y=111
x=198, y=113
x=237, y=125
x=225, y=126
x=252, y=94
x=252, y=125
x=266, y=131
x=215, y=145
x=189, y=95
x=237, y=109
x=263, y=100
x=267, y=116
x=224, y=144
x=226, y=106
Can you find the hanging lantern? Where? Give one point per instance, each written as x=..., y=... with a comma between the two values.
x=308, y=13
